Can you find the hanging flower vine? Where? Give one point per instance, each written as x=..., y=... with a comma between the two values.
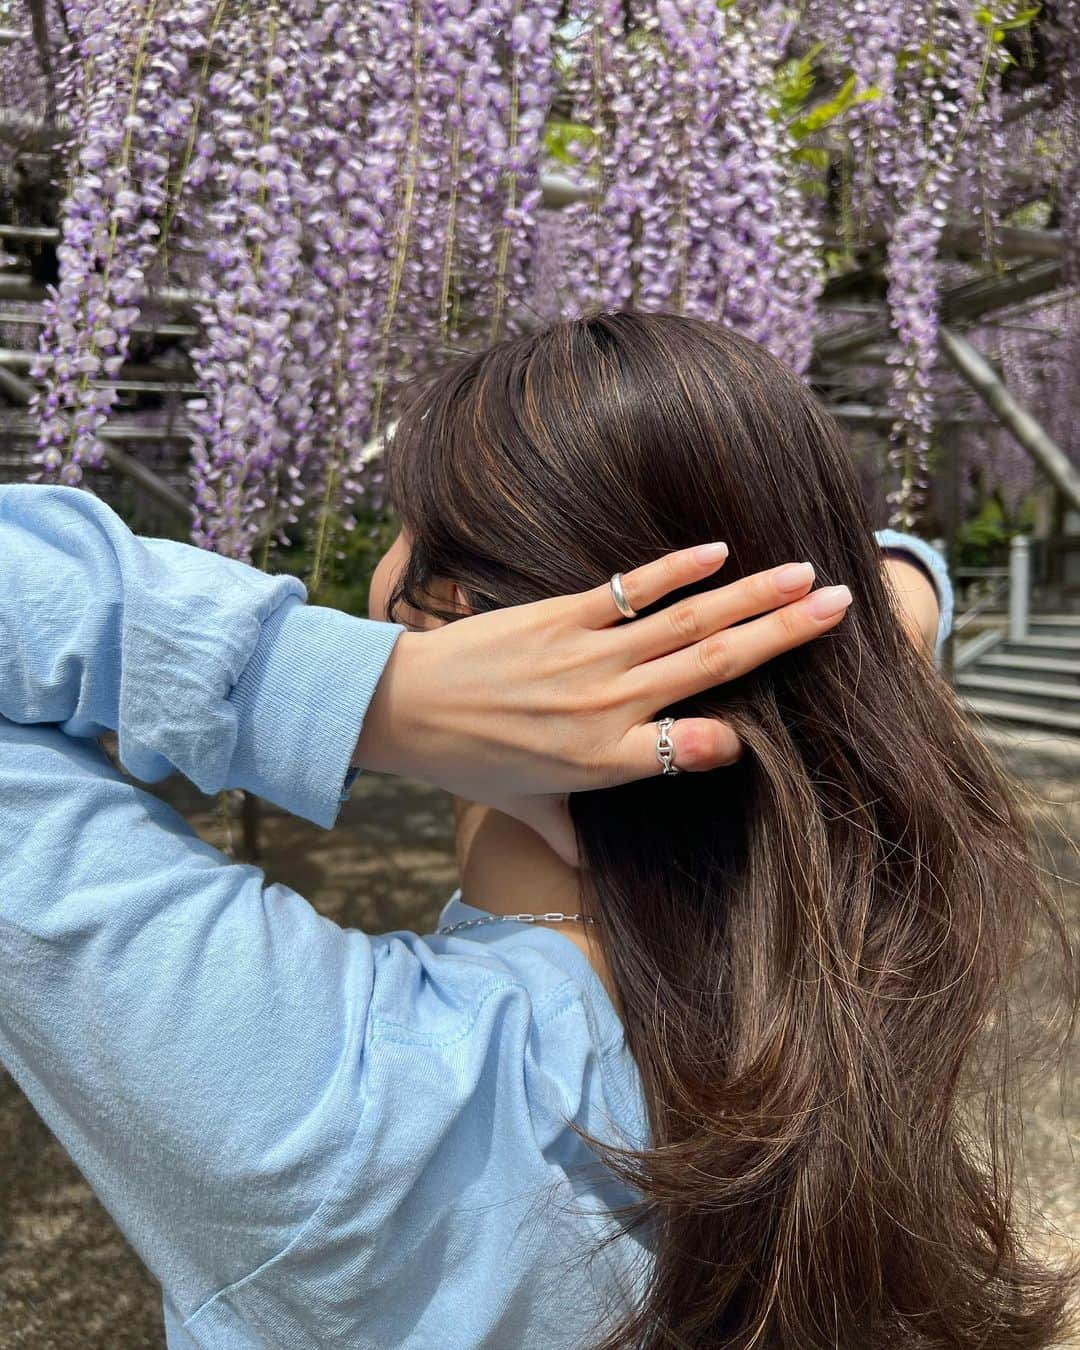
x=341, y=192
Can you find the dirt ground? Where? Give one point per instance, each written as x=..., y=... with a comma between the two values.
x=68, y=1279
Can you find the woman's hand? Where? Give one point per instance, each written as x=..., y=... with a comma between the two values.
x=560, y=695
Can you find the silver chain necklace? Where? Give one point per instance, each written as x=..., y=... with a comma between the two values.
x=517, y=918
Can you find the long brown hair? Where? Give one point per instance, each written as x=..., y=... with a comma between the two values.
x=813, y=947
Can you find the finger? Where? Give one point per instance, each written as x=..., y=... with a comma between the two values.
x=701, y=743
x=651, y=582
x=732, y=652
x=697, y=616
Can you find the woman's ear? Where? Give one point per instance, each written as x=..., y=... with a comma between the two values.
x=448, y=595
x=459, y=600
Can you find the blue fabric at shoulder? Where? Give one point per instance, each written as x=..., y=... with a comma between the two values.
x=939, y=570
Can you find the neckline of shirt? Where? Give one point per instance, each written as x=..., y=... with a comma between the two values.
x=620, y=1069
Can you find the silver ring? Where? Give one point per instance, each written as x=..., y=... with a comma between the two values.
x=665, y=747
x=619, y=596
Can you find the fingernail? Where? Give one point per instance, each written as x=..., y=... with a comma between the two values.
x=793, y=576
x=828, y=601
x=710, y=553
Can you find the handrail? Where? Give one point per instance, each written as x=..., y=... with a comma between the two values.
x=992, y=598
x=952, y=658
x=975, y=648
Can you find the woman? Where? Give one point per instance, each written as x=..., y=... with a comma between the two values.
x=761, y=980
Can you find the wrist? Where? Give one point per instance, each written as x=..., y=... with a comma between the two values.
x=393, y=726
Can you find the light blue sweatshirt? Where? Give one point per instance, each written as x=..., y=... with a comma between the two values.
x=312, y=1136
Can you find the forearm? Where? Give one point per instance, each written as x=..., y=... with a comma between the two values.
x=200, y=663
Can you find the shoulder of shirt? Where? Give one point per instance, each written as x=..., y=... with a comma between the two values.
x=434, y=988
x=453, y=1012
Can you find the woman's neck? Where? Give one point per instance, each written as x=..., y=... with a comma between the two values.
x=506, y=868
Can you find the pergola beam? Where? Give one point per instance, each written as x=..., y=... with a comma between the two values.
x=15, y=390
x=20, y=392
x=42, y=234
x=1011, y=241
x=150, y=482
x=118, y=432
x=164, y=329
x=865, y=414
x=969, y=236
x=976, y=371
x=26, y=132
x=24, y=288
x=969, y=301
x=16, y=358
x=959, y=237
x=983, y=295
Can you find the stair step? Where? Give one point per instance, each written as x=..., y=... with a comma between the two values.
x=1041, y=749
x=1047, y=665
x=1001, y=684
x=1020, y=712
x=1054, y=641
x=1062, y=620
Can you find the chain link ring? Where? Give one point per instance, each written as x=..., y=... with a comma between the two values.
x=665, y=747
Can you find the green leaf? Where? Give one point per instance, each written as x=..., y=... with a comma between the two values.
x=822, y=114
x=1020, y=20
x=563, y=140
x=795, y=79
x=813, y=155
x=1000, y=26
x=838, y=261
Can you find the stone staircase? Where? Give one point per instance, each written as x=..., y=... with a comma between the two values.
x=1033, y=682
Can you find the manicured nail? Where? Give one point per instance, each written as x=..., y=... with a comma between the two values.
x=710, y=553
x=830, y=600
x=793, y=576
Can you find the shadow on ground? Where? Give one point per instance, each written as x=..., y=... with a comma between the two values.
x=68, y=1279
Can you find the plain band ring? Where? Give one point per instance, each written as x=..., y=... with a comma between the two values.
x=619, y=596
x=665, y=747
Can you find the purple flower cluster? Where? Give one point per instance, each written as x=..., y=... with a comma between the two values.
x=930, y=76
x=348, y=190
x=934, y=116
x=131, y=111
x=258, y=200
x=697, y=205
x=335, y=257
x=32, y=94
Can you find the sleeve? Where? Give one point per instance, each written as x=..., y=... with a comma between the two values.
x=200, y=663
x=934, y=564
x=193, y=1037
